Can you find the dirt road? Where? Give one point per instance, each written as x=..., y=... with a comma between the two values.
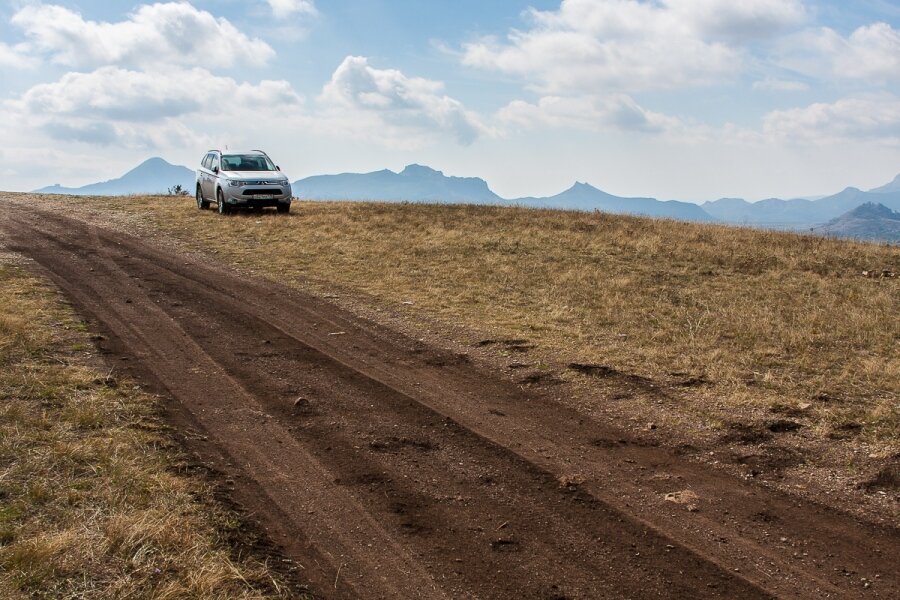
x=385, y=468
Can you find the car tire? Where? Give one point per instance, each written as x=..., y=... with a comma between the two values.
x=220, y=200
x=283, y=208
x=201, y=203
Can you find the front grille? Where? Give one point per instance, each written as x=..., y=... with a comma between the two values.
x=263, y=192
x=262, y=182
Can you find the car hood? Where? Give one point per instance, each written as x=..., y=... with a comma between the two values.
x=274, y=176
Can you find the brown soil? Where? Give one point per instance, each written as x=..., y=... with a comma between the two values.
x=386, y=468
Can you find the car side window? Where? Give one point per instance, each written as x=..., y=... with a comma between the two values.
x=214, y=162
x=206, y=160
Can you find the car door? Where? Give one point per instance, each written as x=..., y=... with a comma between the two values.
x=203, y=175
x=209, y=177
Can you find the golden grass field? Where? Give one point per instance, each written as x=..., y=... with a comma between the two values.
x=91, y=502
x=764, y=320
x=758, y=323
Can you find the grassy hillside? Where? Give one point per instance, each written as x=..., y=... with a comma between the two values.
x=726, y=317
x=91, y=505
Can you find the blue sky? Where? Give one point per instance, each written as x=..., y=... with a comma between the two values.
x=687, y=99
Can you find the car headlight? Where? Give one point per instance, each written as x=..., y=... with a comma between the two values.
x=235, y=183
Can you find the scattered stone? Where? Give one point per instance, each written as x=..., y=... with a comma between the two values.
x=687, y=498
x=651, y=426
x=570, y=482
x=882, y=274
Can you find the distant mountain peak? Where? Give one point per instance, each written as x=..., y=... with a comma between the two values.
x=580, y=187
x=873, y=210
x=870, y=221
x=415, y=183
x=415, y=170
x=153, y=176
x=893, y=186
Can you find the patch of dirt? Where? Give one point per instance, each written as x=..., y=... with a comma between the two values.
x=783, y=426
x=845, y=431
x=541, y=378
x=746, y=433
x=395, y=444
x=887, y=479
x=770, y=460
x=511, y=345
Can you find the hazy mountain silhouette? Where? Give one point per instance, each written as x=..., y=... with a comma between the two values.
x=869, y=221
x=800, y=213
x=583, y=196
x=153, y=176
x=415, y=183
x=893, y=186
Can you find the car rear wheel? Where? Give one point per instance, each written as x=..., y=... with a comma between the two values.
x=201, y=203
x=220, y=200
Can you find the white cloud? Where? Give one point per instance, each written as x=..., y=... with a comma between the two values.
x=869, y=117
x=388, y=104
x=286, y=8
x=630, y=45
x=14, y=57
x=870, y=53
x=738, y=19
x=586, y=113
x=112, y=105
x=169, y=33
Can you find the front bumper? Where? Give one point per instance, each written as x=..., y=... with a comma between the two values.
x=257, y=196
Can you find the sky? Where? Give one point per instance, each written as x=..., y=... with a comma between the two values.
x=675, y=99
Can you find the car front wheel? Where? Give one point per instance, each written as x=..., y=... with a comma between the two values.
x=220, y=200
x=283, y=208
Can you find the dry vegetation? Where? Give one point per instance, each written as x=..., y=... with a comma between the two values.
x=760, y=319
x=91, y=504
x=739, y=328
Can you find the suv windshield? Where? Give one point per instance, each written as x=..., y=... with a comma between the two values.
x=246, y=162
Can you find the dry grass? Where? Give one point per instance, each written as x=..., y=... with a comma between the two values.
x=763, y=320
x=91, y=505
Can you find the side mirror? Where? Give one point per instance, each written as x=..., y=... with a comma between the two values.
x=277, y=168
x=216, y=170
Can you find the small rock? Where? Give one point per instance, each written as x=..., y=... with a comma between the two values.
x=301, y=401
x=688, y=498
x=651, y=426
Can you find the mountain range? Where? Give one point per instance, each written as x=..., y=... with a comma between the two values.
x=153, y=176
x=417, y=183
x=801, y=213
x=869, y=221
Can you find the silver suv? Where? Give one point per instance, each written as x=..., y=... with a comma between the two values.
x=241, y=180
